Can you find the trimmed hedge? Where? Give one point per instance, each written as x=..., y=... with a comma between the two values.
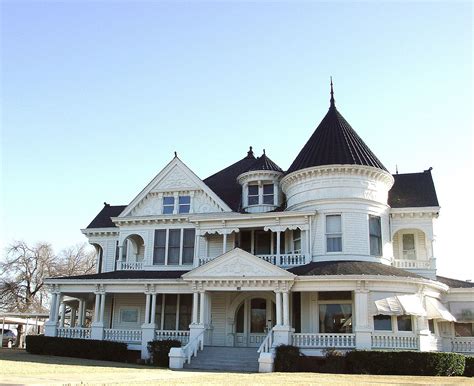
x=469, y=368
x=77, y=348
x=288, y=359
x=159, y=350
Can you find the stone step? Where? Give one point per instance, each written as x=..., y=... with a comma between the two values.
x=243, y=359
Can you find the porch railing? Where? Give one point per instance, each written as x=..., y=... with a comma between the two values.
x=324, y=340
x=192, y=348
x=415, y=264
x=391, y=341
x=119, y=335
x=74, y=332
x=181, y=335
x=463, y=344
x=129, y=265
x=284, y=260
x=267, y=343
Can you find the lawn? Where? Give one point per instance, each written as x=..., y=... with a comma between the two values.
x=19, y=367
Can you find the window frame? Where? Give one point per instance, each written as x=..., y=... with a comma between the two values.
x=180, y=205
x=129, y=308
x=339, y=302
x=181, y=247
x=253, y=195
x=264, y=195
x=293, y=240
x=378, y=253
x=327, y=234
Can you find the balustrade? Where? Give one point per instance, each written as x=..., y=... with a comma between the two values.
x=181, y=335
x=324, y=340
x=284, y=260
x=74, y=332
x=129, y=265
x=463, y=345
x=414, y=264
x=392, y=341
x=118, y=335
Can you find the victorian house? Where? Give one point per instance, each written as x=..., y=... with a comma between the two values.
x=334, y=252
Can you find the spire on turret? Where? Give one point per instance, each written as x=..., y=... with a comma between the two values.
x=250, y=153
x=333, y=104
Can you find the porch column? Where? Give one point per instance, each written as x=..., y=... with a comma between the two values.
x=72, y=320
x=56, y=307
x=278, y=236
x=202, y=308
x=51, y=324
x=63, y=314
x=224, y=242
x=286, y=309
x=362, y=327
x=80, y=316
x=52, y=307
x=153, y=308
x=195, y=308
x=102, y=307
x=278, y=308
x=147, y=308
x=275, y=193
x=96, y=308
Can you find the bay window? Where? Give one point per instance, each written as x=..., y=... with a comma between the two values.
x=333, y=233
x=375, y=235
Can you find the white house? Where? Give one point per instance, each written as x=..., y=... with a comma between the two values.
x=333, y=253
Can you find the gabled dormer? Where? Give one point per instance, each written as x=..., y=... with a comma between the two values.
x=261, y=186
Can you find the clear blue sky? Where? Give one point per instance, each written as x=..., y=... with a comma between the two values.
x=96, y=96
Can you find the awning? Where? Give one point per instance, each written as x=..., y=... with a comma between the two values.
x=400, y=305
x=436, y=310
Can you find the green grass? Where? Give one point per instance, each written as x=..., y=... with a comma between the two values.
x=17, y=366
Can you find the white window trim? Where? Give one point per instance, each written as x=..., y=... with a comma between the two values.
x=413, y=232
x=326, y=233
x=394, y=323
x=260, y=196
x=381, y=234
x=181, y=247
x=253, y=195
x=319, y=302
x=297, y=251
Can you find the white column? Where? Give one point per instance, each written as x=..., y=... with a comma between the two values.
x=72, y=321
x=260, y=193
x=147, y=308
x=80, y=312
x=84, y=313
x=278, y=246
x=224, y=243
x=278, y=308
x=56, y=307
x=102, y=307
x=63, y=314
x=153, y=308
x=275, y=193
x=286, y=309
x=195, y=308
x=245, y=195
x=362, y=329
x=52, y=307
x=202, y=308
x=97, y=308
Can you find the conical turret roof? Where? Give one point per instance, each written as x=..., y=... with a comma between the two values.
x=335, y=142
x=265, y=163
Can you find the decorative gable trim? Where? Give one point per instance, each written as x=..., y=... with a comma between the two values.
x=161, y=176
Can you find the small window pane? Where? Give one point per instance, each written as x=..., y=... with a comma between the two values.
x=188, y=246
x=253, y=190
x=159, y=247
x=173, y=246
x=168, y=205
x=184, y=200
x=375, y=233
x=382, y=323
x=404, y=323
x=268, y=199
x=253, y=200
x=268, y=189
x=333, y=224
x=168, y=200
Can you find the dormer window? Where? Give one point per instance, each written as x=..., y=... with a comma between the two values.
x=168, y=205
x=184, y=204
x=253, y=195
x=268, y=192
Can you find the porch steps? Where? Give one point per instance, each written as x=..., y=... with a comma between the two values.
x=241, y=359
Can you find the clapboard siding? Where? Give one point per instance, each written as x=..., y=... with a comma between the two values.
x=218, y=312
x=128, y=301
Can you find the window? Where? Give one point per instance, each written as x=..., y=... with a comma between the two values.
x=268, y=193
x=177, y=311
x=297, y=241
x=129, y=315
x=185, y=311
x=184, y=204
x=253, y=194
x=240, y=319
x=408, y=242
x=375, y=233
x=258, y=315
x=382, y=323
x=333, y=233
x=335, y=318
x=168, y=205
x=170, y=301
x=404, y=323
x=180, y=247
x=431, y=326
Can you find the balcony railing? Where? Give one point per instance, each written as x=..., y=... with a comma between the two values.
x=74, y=332
x=129, y=265
x=120, y=335
x=181, y=335
x=283, y=260
x=324, y=340
x=415, y=264
x=392, y=341
x=463, y=345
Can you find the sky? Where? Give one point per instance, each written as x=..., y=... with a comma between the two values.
x=96, y=97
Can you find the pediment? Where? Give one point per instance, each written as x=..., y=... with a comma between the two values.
x=238, y=264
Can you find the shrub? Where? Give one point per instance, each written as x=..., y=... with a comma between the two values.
x=469, y=368
x=159, y=350
x=405, y=363
x=77, y=348
x=287, y=358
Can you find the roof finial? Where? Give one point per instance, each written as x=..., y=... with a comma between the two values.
x=263, y=151
x=250, y=153
x=396, y=168
x=175, y=154
x=332, y=95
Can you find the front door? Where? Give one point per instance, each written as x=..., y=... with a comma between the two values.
x=254, y=318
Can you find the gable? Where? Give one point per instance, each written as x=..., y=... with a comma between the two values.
x=237, y=264
x=175, y=178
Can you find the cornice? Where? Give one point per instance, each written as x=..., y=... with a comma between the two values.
x=255, y=175
x=420, y=212
x=330, y=170
x=100, y=231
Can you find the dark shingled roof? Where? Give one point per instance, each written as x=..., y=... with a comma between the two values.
x=265, y=163
x=454, y=283
x=413, y=190
x=349, y=267
x=334, y=142
x=225, y=185
x=127, y=275
x=102, y=220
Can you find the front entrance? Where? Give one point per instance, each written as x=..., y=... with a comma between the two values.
x=253, y=319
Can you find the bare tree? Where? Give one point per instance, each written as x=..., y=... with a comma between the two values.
x=76, y=260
